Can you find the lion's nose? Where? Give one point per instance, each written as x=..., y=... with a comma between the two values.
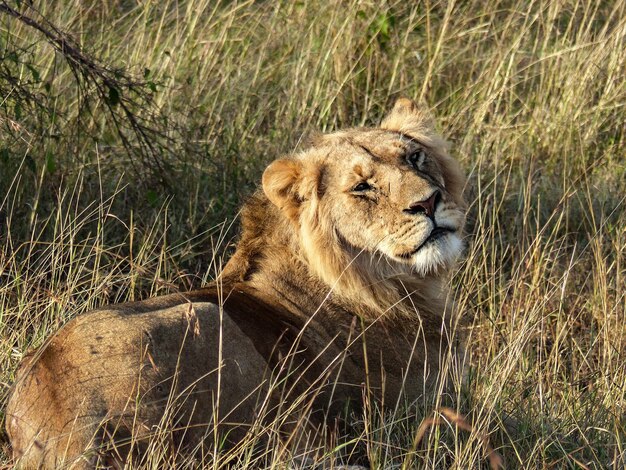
x=427, y=207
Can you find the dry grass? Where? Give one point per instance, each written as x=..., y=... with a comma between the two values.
x=532, y=97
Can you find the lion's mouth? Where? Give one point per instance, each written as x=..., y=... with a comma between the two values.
x=436, y=234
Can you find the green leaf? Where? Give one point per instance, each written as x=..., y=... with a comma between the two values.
x=51, y=165
x=114, y=96
x=34, y=72
x=17, y=110
x=382, y=27
x=152, y=197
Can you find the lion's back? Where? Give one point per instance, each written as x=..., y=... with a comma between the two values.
x=125, y=368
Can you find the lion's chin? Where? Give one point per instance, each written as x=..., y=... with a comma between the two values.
x=437, y=254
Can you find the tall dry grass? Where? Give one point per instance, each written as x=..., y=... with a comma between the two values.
x=531, y=96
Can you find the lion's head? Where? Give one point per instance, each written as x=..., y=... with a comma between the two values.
x=371, y=206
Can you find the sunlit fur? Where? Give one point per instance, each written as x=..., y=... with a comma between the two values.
x=365, y=246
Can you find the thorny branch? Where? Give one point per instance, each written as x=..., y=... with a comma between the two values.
x=127, y=99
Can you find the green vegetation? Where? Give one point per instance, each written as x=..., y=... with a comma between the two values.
x=130, y=133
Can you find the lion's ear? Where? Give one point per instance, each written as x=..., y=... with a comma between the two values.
x=404, y=106
x=407, y=114
x=280, y=185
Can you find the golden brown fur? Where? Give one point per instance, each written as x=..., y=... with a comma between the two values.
x=340, y=269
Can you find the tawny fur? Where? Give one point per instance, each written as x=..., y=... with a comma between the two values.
x=327, y=282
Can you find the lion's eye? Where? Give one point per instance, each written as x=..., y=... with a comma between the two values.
x=363, y=186
x=416, y=159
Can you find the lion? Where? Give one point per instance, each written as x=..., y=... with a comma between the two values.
x=337, y=286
